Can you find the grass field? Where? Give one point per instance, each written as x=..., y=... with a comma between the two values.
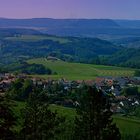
x=78, y=71
x=128, y=127
x=34, y=38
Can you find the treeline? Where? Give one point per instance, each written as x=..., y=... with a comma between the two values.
x=80, y=49
x=93, y=120
x=125, y=58
x=23, y=67
x=137, y=73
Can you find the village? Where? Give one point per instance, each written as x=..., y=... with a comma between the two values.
x=112, y=86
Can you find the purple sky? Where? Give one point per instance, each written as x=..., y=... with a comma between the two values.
x=118, y=9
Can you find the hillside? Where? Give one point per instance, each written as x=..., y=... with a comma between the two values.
x=129, y=23
x=22, y=44
x=77, y=71
x=128, y=42
x=5, y=32
x=21, y=47
x=127, y=57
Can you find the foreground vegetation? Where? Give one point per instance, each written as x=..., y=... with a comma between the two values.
x=33, y=110
x=23, y=67
x=129, y=127
x=78, y=71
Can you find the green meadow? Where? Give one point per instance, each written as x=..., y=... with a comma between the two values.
x=79, y=71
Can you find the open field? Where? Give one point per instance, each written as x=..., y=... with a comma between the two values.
x=129, y=128
x=34, y=38
x=78, y=71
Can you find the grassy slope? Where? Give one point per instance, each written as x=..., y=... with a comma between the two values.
x=19, y=106
x=127, y=126
x=77, y=71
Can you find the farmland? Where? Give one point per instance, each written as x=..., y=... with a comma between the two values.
x=78, y=71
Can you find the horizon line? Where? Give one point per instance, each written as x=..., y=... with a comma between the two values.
x=82, y=18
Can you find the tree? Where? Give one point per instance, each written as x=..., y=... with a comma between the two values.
x=20, y=89
x=39, y=122
x=7, y=120
x=93, y=120
x=26, y=89
x=128, y=91
x=137, y=73
x=137, y=111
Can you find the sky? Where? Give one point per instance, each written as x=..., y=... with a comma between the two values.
x=112, y=9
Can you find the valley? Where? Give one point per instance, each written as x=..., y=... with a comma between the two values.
x=53, y=69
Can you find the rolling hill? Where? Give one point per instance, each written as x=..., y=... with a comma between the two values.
x=78, y=71
x=102, y=28
x=7, y=32
x=21, y=47
x=18, y=44
x=55, y=23
x=128, y=23
x=127, y=57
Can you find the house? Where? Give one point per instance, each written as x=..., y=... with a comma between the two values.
x=52, y=58
x=120, y=98
x=99, y=82
x=115, y=108
x=109, y=81
x=1, y=76
x=121, y=81
x=116, y=89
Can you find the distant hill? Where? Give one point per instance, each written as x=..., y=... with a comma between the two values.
x=5, y=32
x=66, y=48
x=127, y=57
x=128, y=42
x=107, y=29
x=84, y=40
x=128, y=23
x=53, y=23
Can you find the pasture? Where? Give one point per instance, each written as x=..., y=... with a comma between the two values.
x=79, y=71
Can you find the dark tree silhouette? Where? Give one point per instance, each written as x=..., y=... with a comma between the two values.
x=40, y=122
x=7, y=120
x=93, y=120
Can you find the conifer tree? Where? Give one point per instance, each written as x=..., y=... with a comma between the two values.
x=7, y=120
x=93, y=120
x=40, y=122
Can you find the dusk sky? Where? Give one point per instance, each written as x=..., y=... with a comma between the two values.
x=116, y=9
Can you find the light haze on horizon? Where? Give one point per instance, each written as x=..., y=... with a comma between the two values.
x=112, y=9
